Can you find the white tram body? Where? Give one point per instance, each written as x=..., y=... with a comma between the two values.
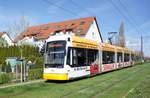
x=68, y=57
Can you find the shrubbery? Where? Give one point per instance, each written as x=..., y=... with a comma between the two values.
x=35, y=74
x=29, y=53
x=15, y=51
x=5, y=77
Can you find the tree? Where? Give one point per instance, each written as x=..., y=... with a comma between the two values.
x=3, y=42
x=4, y=66
x=18, y=27
x=8, y=68
x=121, y=36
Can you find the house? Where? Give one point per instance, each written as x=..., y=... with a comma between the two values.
x=83, y=27
x=7, y=38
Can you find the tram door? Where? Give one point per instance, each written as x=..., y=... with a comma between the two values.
x=93, y=61
x=77, y=59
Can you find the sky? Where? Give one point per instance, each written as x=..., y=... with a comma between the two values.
x=109, y=14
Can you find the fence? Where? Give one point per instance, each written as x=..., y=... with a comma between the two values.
x=17, y=63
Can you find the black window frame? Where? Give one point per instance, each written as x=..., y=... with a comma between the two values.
x=108, y=57
x=126, y=57
x=119, y=54
x=87, y=57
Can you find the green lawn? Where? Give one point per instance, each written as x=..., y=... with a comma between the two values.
x=133, y=82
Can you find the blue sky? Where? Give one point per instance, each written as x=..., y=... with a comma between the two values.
x=134, y=13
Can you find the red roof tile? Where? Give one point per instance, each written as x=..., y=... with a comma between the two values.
x=1, y=33
x=78, y=26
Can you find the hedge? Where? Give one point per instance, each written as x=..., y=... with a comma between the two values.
x=15, y=51
x=35, y=74
x=5, y=77
x=29, y=53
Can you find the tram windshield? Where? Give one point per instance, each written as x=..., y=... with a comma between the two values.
x=55, y=52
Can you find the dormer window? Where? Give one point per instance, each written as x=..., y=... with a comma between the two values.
x=93, y=35
x=68, y=30
x=72, y=24
x=58, y=27
x=44, y=28
x=82, y=22
x=58, y=31
x=78, y=32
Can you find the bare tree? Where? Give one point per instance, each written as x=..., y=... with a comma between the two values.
x=121, y=36
x=18, y=27
x=14, y=30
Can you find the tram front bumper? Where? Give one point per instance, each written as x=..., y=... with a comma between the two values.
x=55, y=76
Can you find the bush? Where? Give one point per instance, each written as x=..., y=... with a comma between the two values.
x=5, y=78
x=35, y=74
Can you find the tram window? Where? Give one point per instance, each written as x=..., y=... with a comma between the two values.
x=68, y=57
x=108, y=57
x=126, y=57
x=78, y=57
x=92, y=56
x=132, y=57
x=74, y=57
x=81, y=57
x=119, y=57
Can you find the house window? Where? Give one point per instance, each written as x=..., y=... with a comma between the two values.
x=92, y=34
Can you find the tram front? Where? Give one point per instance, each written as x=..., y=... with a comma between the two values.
x=54, y=60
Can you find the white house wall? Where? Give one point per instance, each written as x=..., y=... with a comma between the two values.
x=93, y=33
x=7, y=38
x=31, y=41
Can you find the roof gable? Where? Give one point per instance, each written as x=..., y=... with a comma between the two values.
x=77, y=26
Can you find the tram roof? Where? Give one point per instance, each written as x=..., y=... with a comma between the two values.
x=105, y=46
x=109, y=47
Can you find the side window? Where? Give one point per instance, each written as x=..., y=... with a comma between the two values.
x=104, y=57
x=81, y=57
x=126, y=57
x=74, y=57
x=78, y=57
x=92, y=57
x=119, y=57
x=68, y=56
x=108, y=57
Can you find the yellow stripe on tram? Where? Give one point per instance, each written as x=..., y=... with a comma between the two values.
x=51, y=76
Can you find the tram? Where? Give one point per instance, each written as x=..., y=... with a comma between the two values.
x=68, y=57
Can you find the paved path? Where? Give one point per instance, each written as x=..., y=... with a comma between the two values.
x=19, y=84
